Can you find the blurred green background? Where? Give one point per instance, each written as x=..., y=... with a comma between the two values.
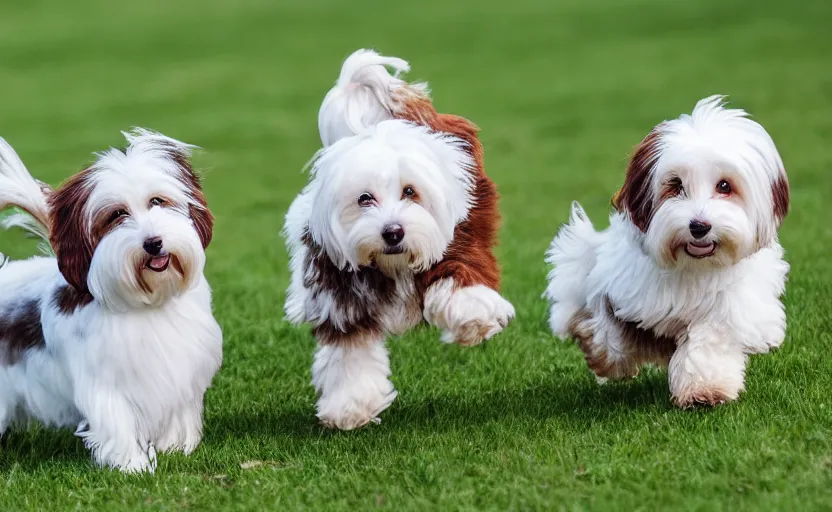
x=562, y=91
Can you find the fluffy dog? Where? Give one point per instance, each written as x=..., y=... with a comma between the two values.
x=690, y=272
x=115, y=335
x=396, y=225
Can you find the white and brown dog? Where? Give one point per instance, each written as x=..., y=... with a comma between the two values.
x=690, y=272
x=115, y=335
x=397, y=224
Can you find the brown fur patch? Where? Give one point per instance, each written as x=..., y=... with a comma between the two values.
x=144, y=286
x=360, y=297
x=580, y=327
x=780, y=196
x=67, y=299
x=69, y=236
x=670, y=189
x=636, y=197
x=469, y=259
x=20, y=331
x=177, y=265
x=201, y=216
x=640, y=346
x=645, y=346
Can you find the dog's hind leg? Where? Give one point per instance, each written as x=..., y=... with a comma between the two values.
x=352, y=381
x=616, y=349
x=600, y=340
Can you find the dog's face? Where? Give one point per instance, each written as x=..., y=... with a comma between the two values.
x=390, y=197
x=132, y=228
x=707, y=189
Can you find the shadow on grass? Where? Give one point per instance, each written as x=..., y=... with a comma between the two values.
x=30, y=449
x=578, y=403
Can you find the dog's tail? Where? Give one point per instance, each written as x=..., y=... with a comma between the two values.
x=364, y=95
x=572, y=252
x=19, y=190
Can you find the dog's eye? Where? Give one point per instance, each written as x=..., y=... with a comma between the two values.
x=408, y=192
x=676, y=185
x=723, y=187
x=673, y=188
x=157, y=201
x=365, y=199
x=117, y=215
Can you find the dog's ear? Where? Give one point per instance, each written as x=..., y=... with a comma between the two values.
x=636, y=197
x=780, y=197
x=202, y=218
x=69, y=235
x=198, y=210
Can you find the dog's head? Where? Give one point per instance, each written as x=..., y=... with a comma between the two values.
x=706, y=189
x=131, y=229
x=391, y=197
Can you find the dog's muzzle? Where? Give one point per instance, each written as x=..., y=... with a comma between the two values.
x=159, y=258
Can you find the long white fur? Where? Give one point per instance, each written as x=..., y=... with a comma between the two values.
x=364, y=95
x=130, y=369
x=353, y=382
x=729, y=302
x=18, y=188
x=366, y=149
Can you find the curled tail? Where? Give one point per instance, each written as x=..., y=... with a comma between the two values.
x=572, y=252
x=18, y=189
x=364, y=95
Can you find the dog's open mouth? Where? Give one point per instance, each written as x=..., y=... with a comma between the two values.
x=700, y=249
x=158, y=263
x=397, y=249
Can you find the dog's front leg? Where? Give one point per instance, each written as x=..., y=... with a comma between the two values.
x=708, y=368
x=112, y=431
x=466, y=314
x=351, y=376
x=184, y=430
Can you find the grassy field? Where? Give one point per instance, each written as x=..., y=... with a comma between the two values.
x=562, y=91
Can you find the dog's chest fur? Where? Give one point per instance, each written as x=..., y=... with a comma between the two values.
x=159, y=359
x=347, y=306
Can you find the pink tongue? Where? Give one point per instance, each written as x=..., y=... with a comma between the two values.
x=159, y=262
x=697, y=250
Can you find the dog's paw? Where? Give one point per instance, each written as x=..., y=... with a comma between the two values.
x=467, y=315
x=348, y=411
x=704, y=396
x=141, y=461
x=183, y=433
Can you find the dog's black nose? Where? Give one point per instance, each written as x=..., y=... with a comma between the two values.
x=392, y=234
x=153, y=246
x=699, y=229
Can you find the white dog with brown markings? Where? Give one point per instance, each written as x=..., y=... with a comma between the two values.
x=115, y=335
x=690, y=272
x=395, y=228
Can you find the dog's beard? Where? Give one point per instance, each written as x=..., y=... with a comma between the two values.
x=671, y=244
x=423, y=246
x=124, y=276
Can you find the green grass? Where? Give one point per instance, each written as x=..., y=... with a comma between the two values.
x=562, y=91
